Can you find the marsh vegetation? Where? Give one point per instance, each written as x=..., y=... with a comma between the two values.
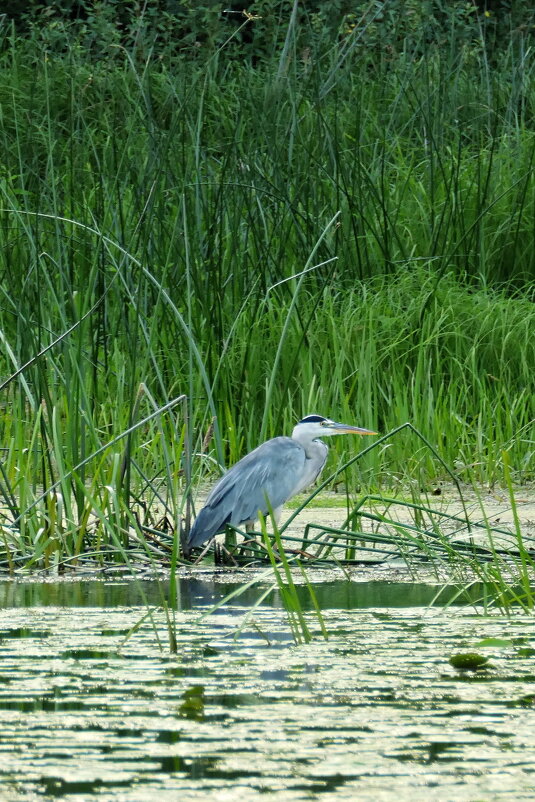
x=214, y=220
x=201, y=244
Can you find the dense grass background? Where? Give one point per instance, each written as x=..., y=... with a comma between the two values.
x=166, y=210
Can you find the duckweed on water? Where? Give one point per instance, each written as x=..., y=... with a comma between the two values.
x=375, y=713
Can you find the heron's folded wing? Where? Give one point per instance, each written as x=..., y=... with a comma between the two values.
x=265, y=478
x=271, y=472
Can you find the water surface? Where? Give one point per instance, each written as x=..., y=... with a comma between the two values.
x=374, y=713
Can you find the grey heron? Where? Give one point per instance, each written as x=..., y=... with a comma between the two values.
x=276, y=470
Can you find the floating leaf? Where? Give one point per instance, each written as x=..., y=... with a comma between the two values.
x=498, y=643
x=193, y=705
x=468, y=661
x=526, y=651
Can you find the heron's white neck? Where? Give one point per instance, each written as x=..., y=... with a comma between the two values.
x=312, y=446
x=316, y=456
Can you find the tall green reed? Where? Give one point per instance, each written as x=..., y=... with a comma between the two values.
x=194, y=214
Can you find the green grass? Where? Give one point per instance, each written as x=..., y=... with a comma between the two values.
x=156, y=220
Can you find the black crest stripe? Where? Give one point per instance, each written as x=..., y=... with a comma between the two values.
x=313, y=419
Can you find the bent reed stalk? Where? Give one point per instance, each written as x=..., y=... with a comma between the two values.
x=151, y=241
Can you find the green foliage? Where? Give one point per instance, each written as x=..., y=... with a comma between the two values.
x=156, y=218
x=168, y=29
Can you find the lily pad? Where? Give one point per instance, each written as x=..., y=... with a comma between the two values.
x=497, y=643
x=468, y=661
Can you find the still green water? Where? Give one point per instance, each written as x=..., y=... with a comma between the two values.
x=375, y=713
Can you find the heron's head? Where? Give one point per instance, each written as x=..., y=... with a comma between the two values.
x=314, y=426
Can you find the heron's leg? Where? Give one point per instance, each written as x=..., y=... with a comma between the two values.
x=250, y=541
x=276, y=518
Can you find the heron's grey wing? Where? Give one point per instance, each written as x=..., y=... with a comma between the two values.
x=272, y=470
x=266, y=477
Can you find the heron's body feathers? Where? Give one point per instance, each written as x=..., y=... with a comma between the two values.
x=271, y=471
x=266, y=478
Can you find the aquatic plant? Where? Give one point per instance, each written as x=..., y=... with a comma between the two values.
x=262, y=241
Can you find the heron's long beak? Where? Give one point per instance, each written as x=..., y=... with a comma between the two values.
x=343, y=428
